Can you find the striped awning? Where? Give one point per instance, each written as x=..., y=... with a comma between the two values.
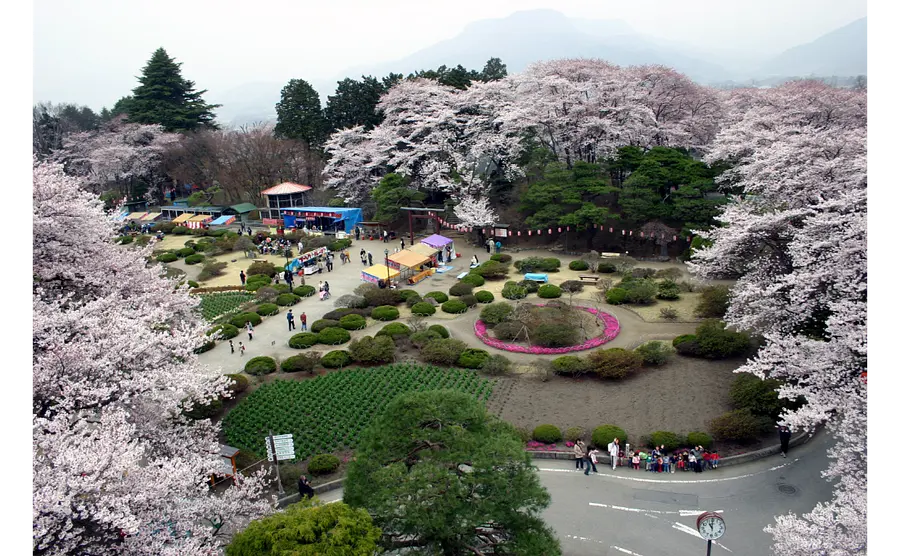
x=151, y=216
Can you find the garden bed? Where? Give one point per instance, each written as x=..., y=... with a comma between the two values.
x=610, y=329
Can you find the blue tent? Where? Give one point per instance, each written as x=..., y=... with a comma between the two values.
x=295, y=216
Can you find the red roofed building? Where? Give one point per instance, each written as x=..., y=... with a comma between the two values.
x=283, y=195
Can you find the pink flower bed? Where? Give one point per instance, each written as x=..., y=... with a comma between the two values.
x=536, y=446
x=610, y=331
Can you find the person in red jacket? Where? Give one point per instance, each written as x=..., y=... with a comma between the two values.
x=302, y=322
x=707, y=457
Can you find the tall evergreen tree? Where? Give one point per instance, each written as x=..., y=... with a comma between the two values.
x=300, y=114
x=165, y=97
x=493, y=70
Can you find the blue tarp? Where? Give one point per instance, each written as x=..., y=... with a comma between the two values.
x=349, y=216
x=222, y=220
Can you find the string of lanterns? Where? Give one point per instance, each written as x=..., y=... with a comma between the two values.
x=548, y=231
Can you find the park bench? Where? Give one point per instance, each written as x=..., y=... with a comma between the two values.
x=588, y=277
x=610, y=255
x=462, y=275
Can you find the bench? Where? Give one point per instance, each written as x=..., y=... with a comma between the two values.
x=588, y=277
x=610, y=255
x=462, y=275
x=416, y=278
x=537, y=277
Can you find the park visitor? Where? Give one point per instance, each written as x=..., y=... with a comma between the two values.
x=613, y=449
x=579, y=454
x=784, y=434
x=304, y=489
x=369, y=256
x=593, y=454
x=250, y=330
x=231, y=345
x=243, y=278
x=402, y=244
x=290, y=319
x=241, y=347
x=362, y=256
x=302, y=322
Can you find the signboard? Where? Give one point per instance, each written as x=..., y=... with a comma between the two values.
x=283, y=445
x=271, y=221
x=500, y=232
x=312, y=254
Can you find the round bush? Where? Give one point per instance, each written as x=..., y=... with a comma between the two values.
x=124, y=240
x=472, y=358
x=530, y=285
x=549, y=291
x=469, y=300
x=492, y=270
x=445, y=351
x=419, y=339
x=203, y=246
x=573, y=434
x=573, y=286
x=548, y=434
x=606, y=268
x=322, y=324
x=616, y=296
x=655, y=352
x=379, y=297
x=267, y=309
x=261, y=267
x=440, y=330
x=501, y=258
x=287, y=299
x=304, y=291
x=369, y=350
x=413, y=299
x=666, y=438
x=352, y=301
x=385, y=312
x=570, y=365
x=406, y=295
x=256, y=282
x=461, y=288
x=180, y=230
x=333, y=336
x=260, y=366
x=668, y=290
x=281, y=288
x=194, y=259
x=496, y=365
x=298, y=363
x=513, y=292
x=206, y=346
x=336, y=359
x=227, y=331
x=508, y=330
x=394, y=330
x=604, y=434
x=552, y=335
x=323, y=464
x=184, y=252
x=193, y=284
x=737, y=426
x=579, y=265
x=440, y=297
x=454, y=306
x=484, y=296
x=352, y=322
x=303, y=340
x=423, y=308
x=241, y=320
x=496, y=313
x=699, y=439
x=615, y=363
x=167, y=257
x=239, y=383
x=475, y=280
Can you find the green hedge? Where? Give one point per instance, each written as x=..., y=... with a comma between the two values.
x=548, y=434
x=333, y=336
x=394, y=330
x=239, y=383
x=579, y=265
x=322, y=324
x=298, y=363
x=699, y=439
x=472, y=358
x=549, y=291
x=454, y=306
x=496, y=313
x=512, y=291
x=739, y=425
x=445, y=351
x=261, y=268
x=615, y=363
x=241, y=320
x=352, y=322
x=461, y=288
x=385, y=312
x=440, y=297
x=469, y=300
x=287, y=299
x=606, y=268
x=180, y=230
x=124, y=240
x=616, y=296
x=184, y=252
x=655, y=352
x=194, y=259
x=475, y=280
x=304, y=291
x=570, y=365
x=323, y=464
x=484, y=296
x=492, y=270
x=423, y=308
x=267, y=309
x=369, y=350
x=530, y=286
x=666, y=438
x=167, y=257
x=440, y=330
x=604, y=434
x=228, y=331
x=303, y=340
x=501, y=258
x=534, y=264
x=336, y=359
x=406, y=295
x=260, y=366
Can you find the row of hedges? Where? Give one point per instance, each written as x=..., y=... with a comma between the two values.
x=712, y=341
x=600, y=436
x=537, y=264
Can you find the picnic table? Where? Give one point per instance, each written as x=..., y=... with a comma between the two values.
x=536, y=277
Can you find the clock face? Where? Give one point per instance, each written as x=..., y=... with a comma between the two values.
x=712, y=528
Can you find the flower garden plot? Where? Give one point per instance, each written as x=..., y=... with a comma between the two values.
x=213, y=305
x=329, y=412
x=610, y=331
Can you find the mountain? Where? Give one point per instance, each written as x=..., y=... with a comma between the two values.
x=841, y=52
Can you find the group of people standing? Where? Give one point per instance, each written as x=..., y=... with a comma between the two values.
x=658, y=460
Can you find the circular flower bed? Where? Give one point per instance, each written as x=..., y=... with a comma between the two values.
x=610, y=331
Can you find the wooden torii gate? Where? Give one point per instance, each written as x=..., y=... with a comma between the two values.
x=430, y=214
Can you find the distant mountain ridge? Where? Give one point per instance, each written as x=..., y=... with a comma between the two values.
x=525, y=37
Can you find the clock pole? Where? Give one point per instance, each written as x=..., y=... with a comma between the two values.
x=708, y=546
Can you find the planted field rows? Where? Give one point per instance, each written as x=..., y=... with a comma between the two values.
x=328, y=413
x=213, y=305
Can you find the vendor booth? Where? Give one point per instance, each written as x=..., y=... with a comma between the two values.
x=199, y=221
x=413, y=266
x=151, y=216
x=427, y=250
x=135, y=216
x=379, y=272
x=444, y=244
x=223, y=220
x=183, y=217
x=307, y=261
x=326, y=219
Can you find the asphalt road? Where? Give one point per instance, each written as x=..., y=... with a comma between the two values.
x=638, y=513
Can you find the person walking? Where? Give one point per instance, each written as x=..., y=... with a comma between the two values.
x=579, y=454
x=369, y=256
x=594, y=457
x=329, y=261
x=241, y=347
x=303, y=322
x=250, y=330
x=231, y=345
x=587, y=460
x=487, y=246
x=304, y=489
x=243, y=278
x=613, y=449
x=402, y=244
x=290, y=319
x=784, y=434
x=357, y=233
x=362, y=256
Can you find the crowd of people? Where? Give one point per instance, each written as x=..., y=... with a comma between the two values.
x=657, y=460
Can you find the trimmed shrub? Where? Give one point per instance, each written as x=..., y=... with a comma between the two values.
x=716, y=342
x=579, y=265
x=508, y=330
x=381, y=298
x=513, y=292
x=336, y=359
x=476, y=280
x=228, y=331
x=363, y=288
x=211, y=269
x=323, y=464
x=385, y=312
x=352, y=322
x=472, y=358
x=440, y=297
x=194, y=259
x=496, y=365
x=699, y=439
x=256, y=282
x=570, y=365
x=739, y=425
x=303, y=340
x=239, y=383
x=530, y=285
x=333, y=336
x=204, y=245
x=643, y=273
x=454, y=306
x=550, y=264
x=337, y=314
x=322, y=324
x=287, y=299
x=551, y=335
x=686, y=344
x=352, y=301
x=549, y=291
x=668, y=290
x=369, y=350
x=713, y=302
x=572, y=286
x=491, y=270
x=604, y=434
x=616, y=296
x=423, y=308
x=548, y=434
x=193, y=284
x=406, y=295
x=655, y=352
x=241, y=320
x=532, y=264
x=445, y=351
x=484, y=296
x=461, y=288
x=261, y=267
x=573, y=434
x=496, y=313
x=305, y=291
x=206, y=346
x=666, y=438
x=180, y=230
x=124, y=240
x=267, y=309
x=615, y=363
x=469, y=300
x=261, y=365
x=444, y=333
x=184, y=252
x=419, y=339
x=167, y=257
x=759, y=396
x=340, y=244
x=300, y=363
x=394, y=330
x=501, y=258
x=606, y=268
x=281, y=288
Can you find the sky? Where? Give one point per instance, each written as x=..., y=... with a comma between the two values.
x=89, y=51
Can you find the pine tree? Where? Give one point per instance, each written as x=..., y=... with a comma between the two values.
x=300, y=114
x=165, y=97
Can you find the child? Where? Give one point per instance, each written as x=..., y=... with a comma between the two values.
x=635, y=460
x=692, y=461
x=241, y=347
x=665, y=464
x=707, y=464
x=714, y=459
x=684, y=461
x=672, y=461
x=231, y=345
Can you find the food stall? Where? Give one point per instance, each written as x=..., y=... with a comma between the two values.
x=198, y=221
x=427, y=250
x=307, y=261
x=445, y=244
x=223, y=220
x=151, y=216
x=379, y=272
x=183, y=217
x=411, y=265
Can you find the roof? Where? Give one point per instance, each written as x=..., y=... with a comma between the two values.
x=152, y=216
x=227, y=451
x=136, y=215
x=184, y=217
x=409, y=258
x=437, y=241
x=380, y=271
x=423, y=249
x=225, y=219
x=286, y=188
x=200, y=218
x=336, y=210
x=242, y=208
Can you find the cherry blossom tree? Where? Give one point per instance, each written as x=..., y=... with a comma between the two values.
x=116, y=465
x=475, y=212
x=797, y=241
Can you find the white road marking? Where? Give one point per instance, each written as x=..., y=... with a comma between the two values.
x=694, y=481
x=680, y=513
x=625, y=550
x=693, y=532
x=576, y=537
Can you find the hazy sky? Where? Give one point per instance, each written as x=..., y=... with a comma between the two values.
x=89, y=51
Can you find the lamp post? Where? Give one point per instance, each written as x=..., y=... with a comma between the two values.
x=386, y=252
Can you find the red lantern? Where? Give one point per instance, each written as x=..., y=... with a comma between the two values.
x=529, y=232
x=549, y=230
x=560, y=229
x=539, y=232
x=610, y=230
x=642, y=234
x=674, y=238
x=519, y=233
